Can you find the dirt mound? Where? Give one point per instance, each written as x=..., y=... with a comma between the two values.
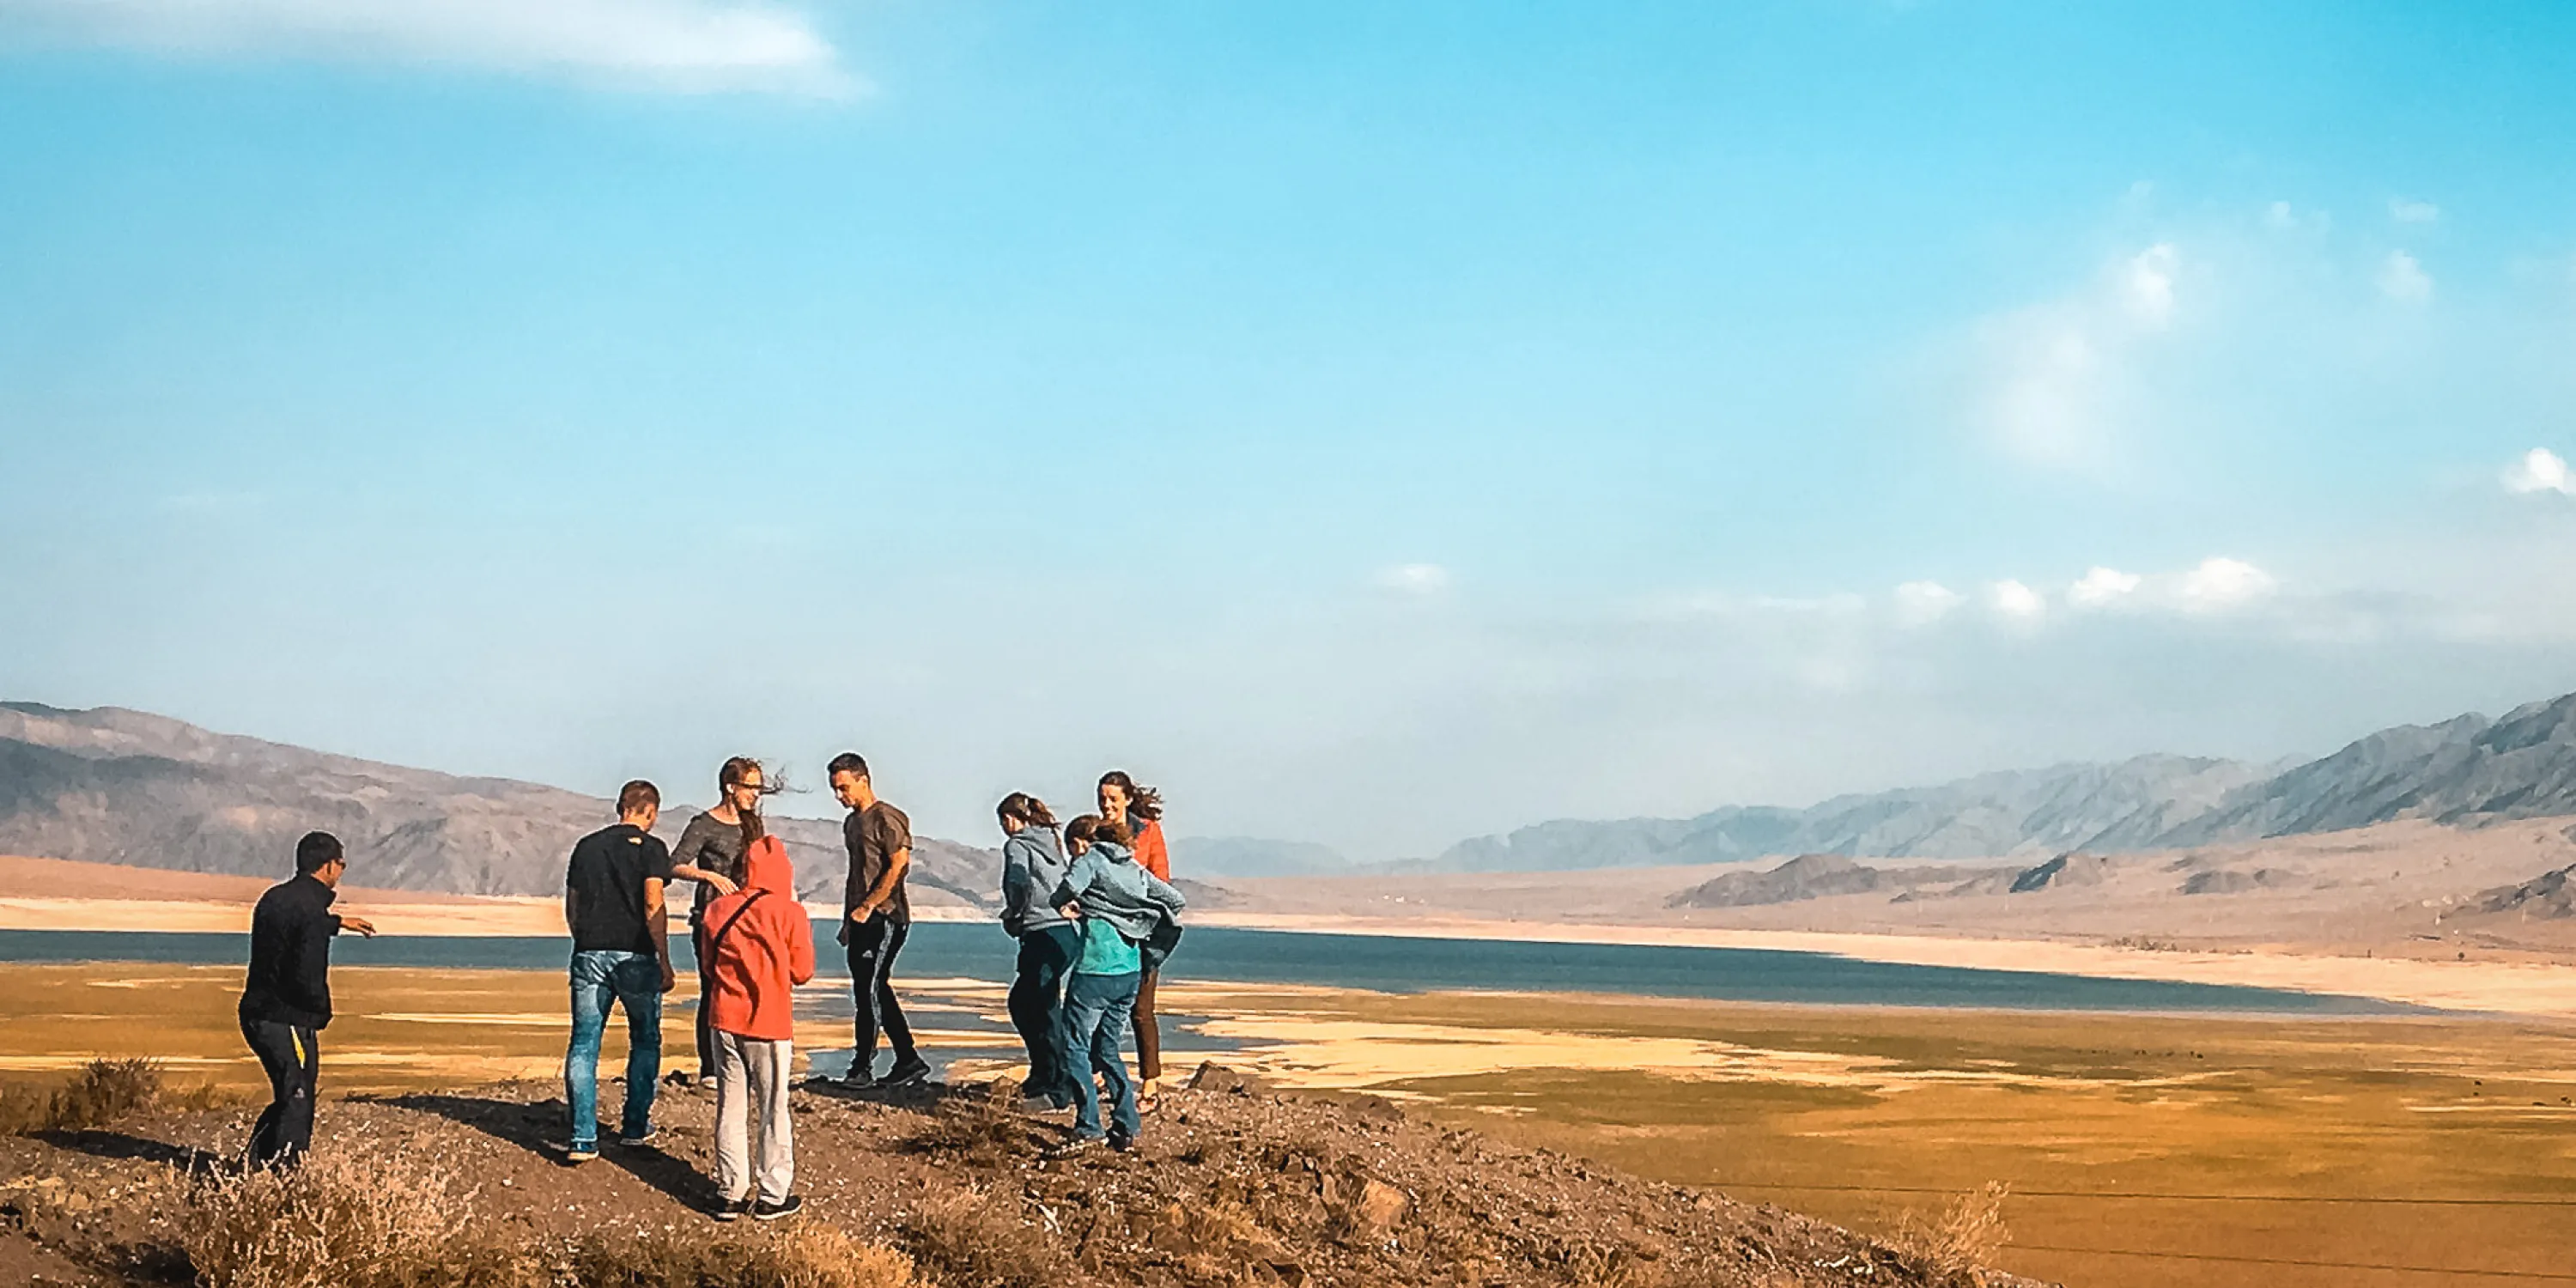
x=1232, y=1185
x=1819, y=876
x=2550, y=896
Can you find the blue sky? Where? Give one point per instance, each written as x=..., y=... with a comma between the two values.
x=1379, y=424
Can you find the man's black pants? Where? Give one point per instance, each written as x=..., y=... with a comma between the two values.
x=872, y=952
x=292, y=1055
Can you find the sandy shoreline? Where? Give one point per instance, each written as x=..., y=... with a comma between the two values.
x=2512, y=988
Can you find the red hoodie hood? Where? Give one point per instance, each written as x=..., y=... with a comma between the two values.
x=765, y=866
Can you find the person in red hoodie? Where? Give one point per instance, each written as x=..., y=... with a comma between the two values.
x=760, y=946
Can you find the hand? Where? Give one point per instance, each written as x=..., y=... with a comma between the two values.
x=669, y=980
x=859, y=915
x=364, y=927
x=1071, y=911
x=723, y=886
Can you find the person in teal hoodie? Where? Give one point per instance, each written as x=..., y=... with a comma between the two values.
x=1033, y=867
x=1119, y=904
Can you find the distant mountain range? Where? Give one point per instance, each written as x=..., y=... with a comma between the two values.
x=2462, y=771
x=114, y=786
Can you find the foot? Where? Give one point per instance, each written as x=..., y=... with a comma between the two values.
x=1074, y=1148
x=732, y=1209
x=634, y=1138
x=789, y=1206
x=706, y=1082
x=907, y=1072
x=579, y=1152
x=1149, y=1095
x=1123, y=1144
x=847, y=1082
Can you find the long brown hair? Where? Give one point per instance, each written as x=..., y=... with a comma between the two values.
x=1026, y=809
x=730, y=777
x=1142, y=802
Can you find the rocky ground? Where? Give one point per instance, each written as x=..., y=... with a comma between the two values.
x=1232, y=1184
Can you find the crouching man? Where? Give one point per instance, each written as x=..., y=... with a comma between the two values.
x=760, y=946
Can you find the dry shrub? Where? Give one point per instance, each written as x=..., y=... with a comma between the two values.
x=968, y=1238
x=977, y=1130
x=102, y=1092
x=337, y=1221
x=1965, y=1237
x=807, y=1254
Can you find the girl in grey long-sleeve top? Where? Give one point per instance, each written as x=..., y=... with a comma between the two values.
x=1033, y=867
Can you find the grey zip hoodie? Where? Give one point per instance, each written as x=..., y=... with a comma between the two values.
x=1110, y=885
x=1032, y=867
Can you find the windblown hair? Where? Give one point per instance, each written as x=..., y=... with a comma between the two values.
x=731, y=776
x=1083, y=830
x=636, y=795
x=1114, y=832
x=1025, y=809
x=1142, y=802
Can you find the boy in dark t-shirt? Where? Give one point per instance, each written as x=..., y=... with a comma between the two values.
x=613, y=905
x=875, y=918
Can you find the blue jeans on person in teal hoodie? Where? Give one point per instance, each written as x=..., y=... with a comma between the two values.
x=1095, y=1019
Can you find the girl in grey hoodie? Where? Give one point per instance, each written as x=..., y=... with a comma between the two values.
x=1120, y=904
x=1033, y=866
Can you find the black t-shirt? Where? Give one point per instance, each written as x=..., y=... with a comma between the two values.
x=873, y=836
x=606, y=880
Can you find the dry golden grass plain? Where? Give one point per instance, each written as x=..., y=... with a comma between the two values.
x=2193, y=1151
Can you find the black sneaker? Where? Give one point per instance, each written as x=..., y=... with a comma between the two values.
x=637, y=1139
x=789, y=1206
x=1123, y=1144
x=906, y=1072
x=732, y=1209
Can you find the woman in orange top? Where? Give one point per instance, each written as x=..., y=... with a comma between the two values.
x=1141, y=809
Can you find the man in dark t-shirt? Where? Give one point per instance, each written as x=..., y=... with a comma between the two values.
x=286, y=996
x=613, y=905
x=875, y=918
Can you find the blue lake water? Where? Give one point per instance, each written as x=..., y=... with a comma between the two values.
x=945, y=950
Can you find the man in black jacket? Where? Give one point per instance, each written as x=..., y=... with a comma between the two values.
x=287, y=999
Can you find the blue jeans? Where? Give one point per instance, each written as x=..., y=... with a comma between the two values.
x=633, y=981
x=1095, y=1021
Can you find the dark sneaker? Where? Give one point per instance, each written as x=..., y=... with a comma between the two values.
x=906, y=1072
x=732, y=1209
x=1123, y=1144
x=633, y=1138
x=577, y=1154
x=1074, y=1148
x=789, y=1206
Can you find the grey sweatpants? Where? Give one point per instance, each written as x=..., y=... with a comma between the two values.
x=753, y=1140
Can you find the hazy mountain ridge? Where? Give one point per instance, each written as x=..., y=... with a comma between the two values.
x=2463, y=771
x=114, y=786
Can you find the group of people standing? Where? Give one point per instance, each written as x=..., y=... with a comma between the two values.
x=1089, y=901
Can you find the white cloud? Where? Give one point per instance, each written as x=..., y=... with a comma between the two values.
x=1921, y=603
x=2016, y=601
x=2056, y=377
x=2540, y=470
x=2407, y=211
x=2404, y=280
x=2147, y=284
x=2102, y=587
x=685, y=45
x=1414, y=578
x=2220, y=584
